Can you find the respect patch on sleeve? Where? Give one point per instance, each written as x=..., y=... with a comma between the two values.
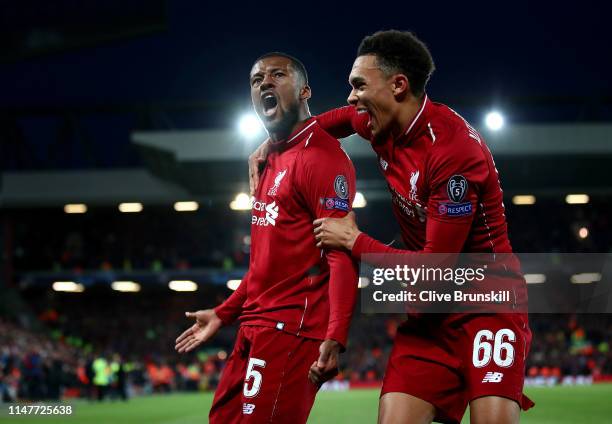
x=336, y=203
x=455, y=209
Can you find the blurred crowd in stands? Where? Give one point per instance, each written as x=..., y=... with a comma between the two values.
x=37, y=366
x=570, y=345
x=104, y=239
x=50, y=365
x=102, y=344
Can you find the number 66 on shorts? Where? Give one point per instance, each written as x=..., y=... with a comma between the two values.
x=497, y=345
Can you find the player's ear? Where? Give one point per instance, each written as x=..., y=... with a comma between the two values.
x=305, y=92
x=400, y=85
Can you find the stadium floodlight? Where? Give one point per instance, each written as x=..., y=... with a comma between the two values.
x=524, y=199
x=75, y=208
x=577, y=199
x=130, y=207
x=242, y=202
x=186, y=206
x=249, y=126
x=586, y=278
x=360, y=200
x=535, y=278
x=182, y=285
x=68, y=286
x=494, y=120
x=233, y=284
x=583, y=232
x=126, y=286
x=363, y=282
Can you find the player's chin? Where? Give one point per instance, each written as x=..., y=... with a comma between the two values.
x=373, y=127
x=276, y=125
x=378, y=135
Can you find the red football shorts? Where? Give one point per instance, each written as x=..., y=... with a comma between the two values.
x=265, y=379
x=450, y=360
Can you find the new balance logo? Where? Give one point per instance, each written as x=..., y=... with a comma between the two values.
x=493, y=377
x=248, y=408
x=271, y=213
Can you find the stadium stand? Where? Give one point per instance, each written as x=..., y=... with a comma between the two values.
x=59, y=344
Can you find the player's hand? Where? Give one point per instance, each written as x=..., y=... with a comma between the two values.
x=256, y=160
x=336, y=233
x=326, y=367
x=206, y=326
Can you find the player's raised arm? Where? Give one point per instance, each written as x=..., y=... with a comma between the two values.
x=343, y=122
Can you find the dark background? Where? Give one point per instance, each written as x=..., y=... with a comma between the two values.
x=76, y=78
x=99, y=69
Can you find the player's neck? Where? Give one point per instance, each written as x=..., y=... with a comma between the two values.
x=405, y=114
x=302, y=117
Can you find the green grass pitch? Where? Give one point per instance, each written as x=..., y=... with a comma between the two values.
x=579, y=404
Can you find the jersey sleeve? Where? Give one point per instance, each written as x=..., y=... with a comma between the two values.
x=345, y=121
x=231, y=309
x=326, y=183
x=440, y=237
x=456, y=172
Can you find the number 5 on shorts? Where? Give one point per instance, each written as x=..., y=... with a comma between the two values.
x=483, y=350
x=252, y=373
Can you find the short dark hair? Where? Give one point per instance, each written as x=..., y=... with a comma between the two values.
x=400, y=52
x=297, y=64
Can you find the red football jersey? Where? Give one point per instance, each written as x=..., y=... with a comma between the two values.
x=447, y=199
x=292, y=285
x=443, y=181
x=444, y=185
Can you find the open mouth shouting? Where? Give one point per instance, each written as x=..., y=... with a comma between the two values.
x=269, y=103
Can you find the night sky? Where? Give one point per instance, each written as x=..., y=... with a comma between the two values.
x=493, y=50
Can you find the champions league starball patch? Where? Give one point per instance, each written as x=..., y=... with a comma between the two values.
x=341, y=187
x=456, y=188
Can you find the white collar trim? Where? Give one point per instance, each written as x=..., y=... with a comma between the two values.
x=416, y=118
